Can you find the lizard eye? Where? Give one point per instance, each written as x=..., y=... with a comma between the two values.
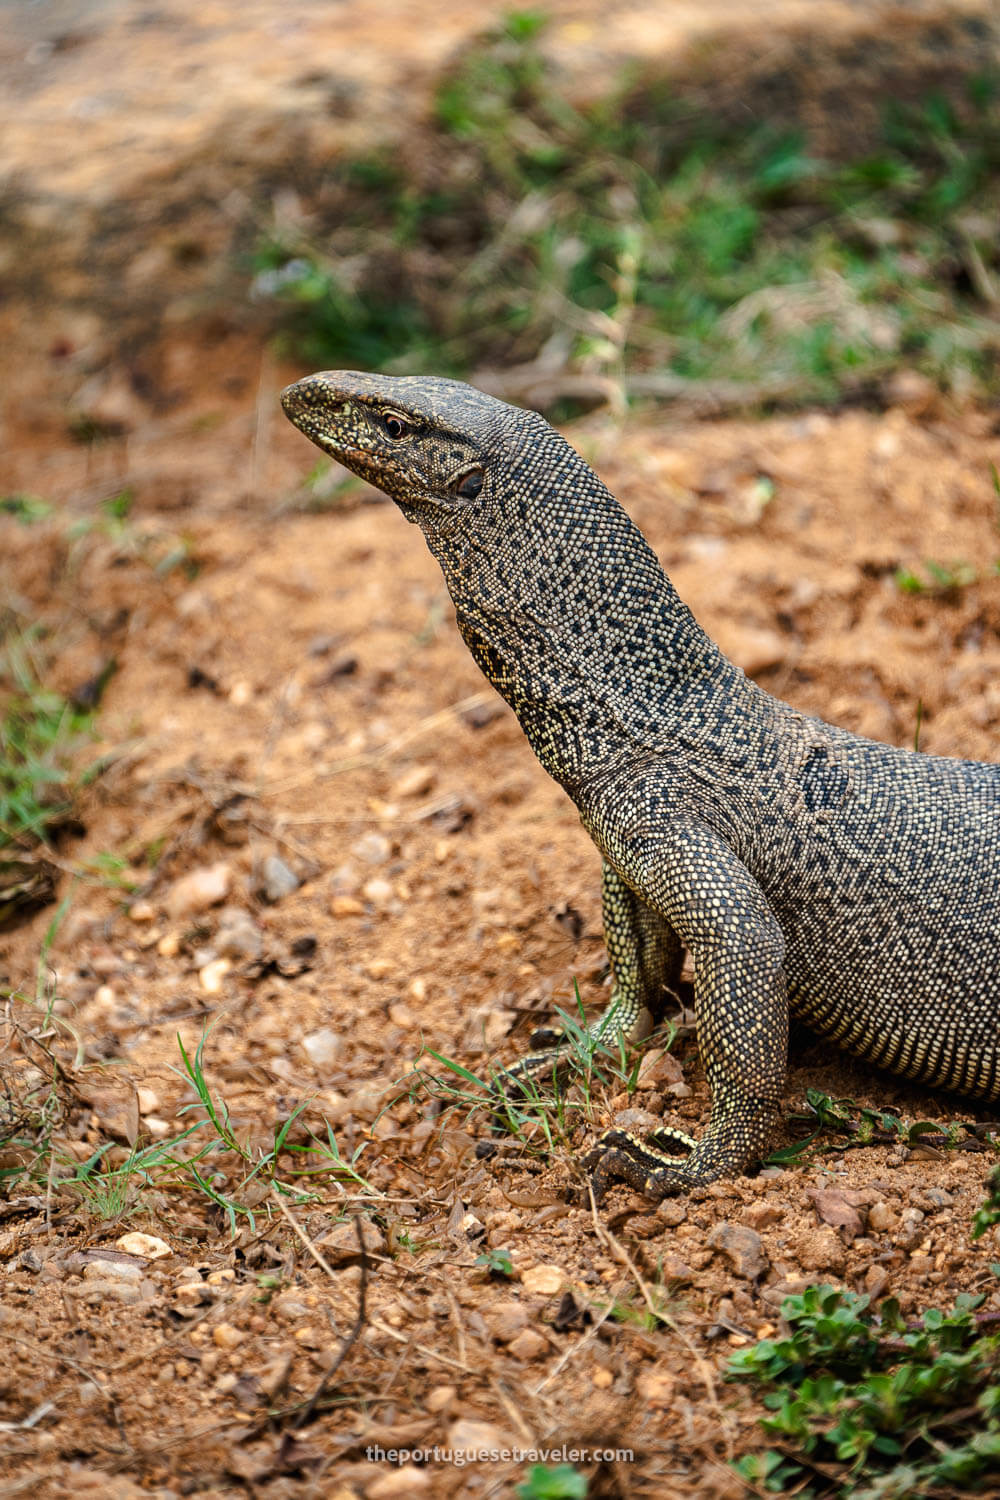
x=470, y=484
x=396, y=427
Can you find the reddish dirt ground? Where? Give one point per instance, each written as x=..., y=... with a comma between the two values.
x=290, y=686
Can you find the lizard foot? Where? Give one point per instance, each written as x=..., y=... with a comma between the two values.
x=643, y=1163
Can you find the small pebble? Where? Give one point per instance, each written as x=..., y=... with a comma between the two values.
x=470, y=1436
x=673, y=1268
x=543, y=1281
x=198, y=890
x=112, y=1270
x=274, y=1376
x=671, y=1211
x=213, y=974
x=191, y=1294
x=238, y=935
x=876, y=1280
x=416, y=782
x=882, y=1218
x=277, y=879
x=372, y=848
x=398, y=1484
x=146, y=1245
x=322, y=1047
x=761, y=1213
x=340, y=1245
x=659, y=1068
x=377, y=890
x=506, y=1320
x=471, y=1227
x=789, y=1286
x=910, y=1232
x=113, y=1291
x=656, y=1388
x=346, y=906
x=821, y=1249
x=225, y=1336
x=289, y=1309
x=741, y=1246
x=528, y=1345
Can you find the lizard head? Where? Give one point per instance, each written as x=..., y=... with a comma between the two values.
x=430, y=444
x=544, y=567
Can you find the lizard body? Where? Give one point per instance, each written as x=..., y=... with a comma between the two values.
x=805, y=868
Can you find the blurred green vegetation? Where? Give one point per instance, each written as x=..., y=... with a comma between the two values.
x=39, y=732
x=641, y=241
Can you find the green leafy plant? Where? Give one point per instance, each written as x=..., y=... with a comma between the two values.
x=988, y=1212
x=40, y=734
x=868, y=1406
x=562, y=1482
x=865, y=1126
x=38, y=730
x=496, y=1263
x=939, y=580
x=28, y=509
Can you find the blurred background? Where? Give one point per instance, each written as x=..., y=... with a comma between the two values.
x=576, y=205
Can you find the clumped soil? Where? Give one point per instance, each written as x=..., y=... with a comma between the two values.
x=342, y=853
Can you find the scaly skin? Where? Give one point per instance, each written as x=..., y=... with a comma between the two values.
x=803, y=867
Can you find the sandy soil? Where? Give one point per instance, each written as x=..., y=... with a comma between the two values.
x=290, y=687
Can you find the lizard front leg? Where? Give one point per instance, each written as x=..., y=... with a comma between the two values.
x=645, y=957
x=708, y=897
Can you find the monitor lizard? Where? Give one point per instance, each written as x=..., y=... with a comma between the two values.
x=806, y=869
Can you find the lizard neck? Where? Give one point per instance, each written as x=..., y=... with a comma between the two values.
x=584, y=635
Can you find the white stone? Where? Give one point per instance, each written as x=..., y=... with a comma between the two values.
x=147, y=1245
x=322, y=1047
x=199, y=889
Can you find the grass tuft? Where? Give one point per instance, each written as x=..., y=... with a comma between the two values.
x=40, y=734
x=211, y=1158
